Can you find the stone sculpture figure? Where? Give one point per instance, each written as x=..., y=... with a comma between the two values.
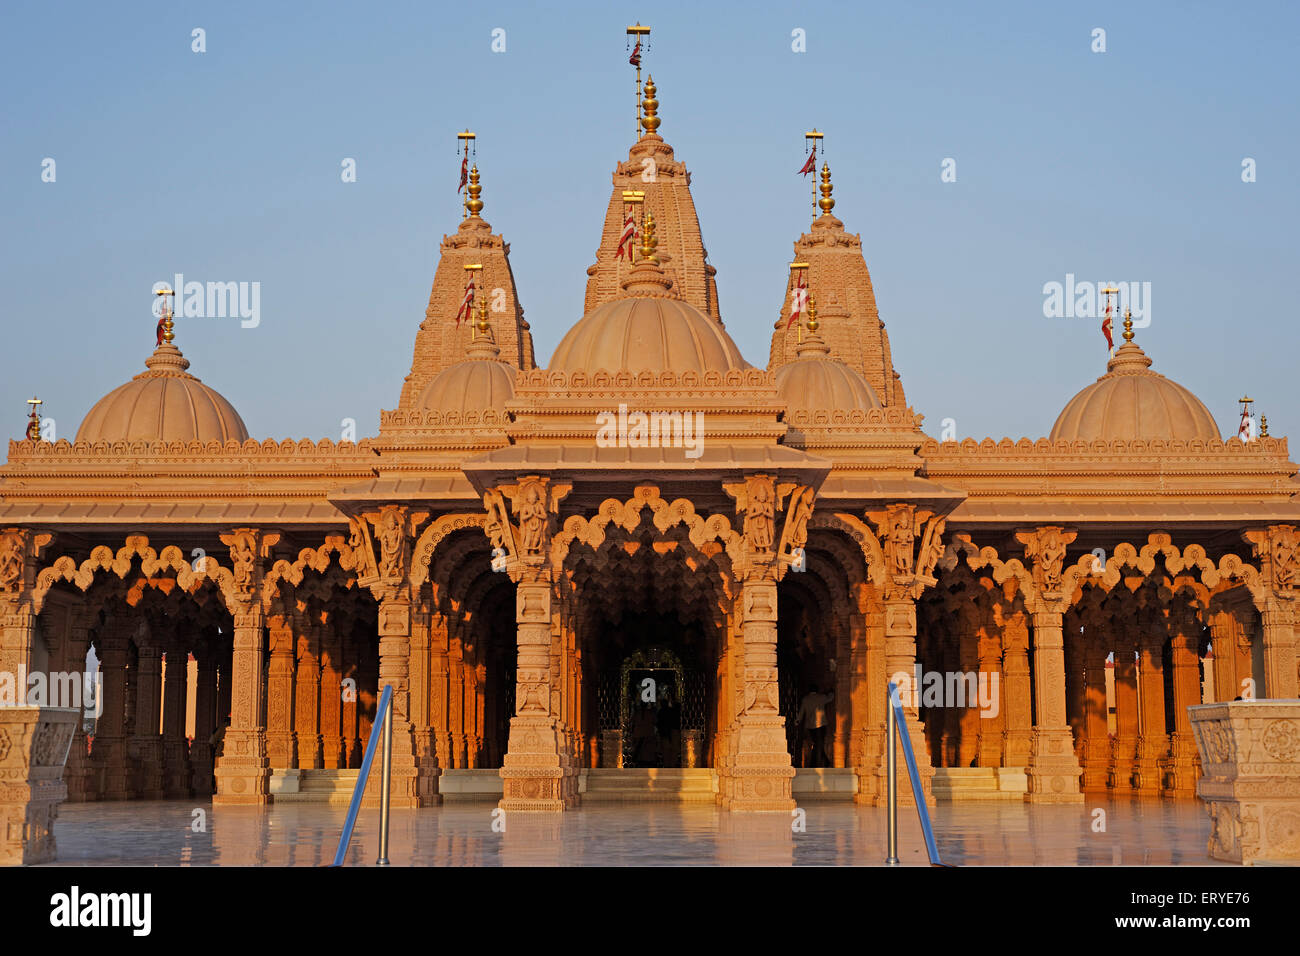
x=532, y=520
x=760, y=512
x=390, y=544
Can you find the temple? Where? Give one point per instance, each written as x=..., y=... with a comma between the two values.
x=620, y=574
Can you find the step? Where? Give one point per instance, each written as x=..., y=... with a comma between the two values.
x=972, y=784
x=649, y=784
x=830, y=783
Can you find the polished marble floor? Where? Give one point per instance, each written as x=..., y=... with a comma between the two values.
x=152, y=833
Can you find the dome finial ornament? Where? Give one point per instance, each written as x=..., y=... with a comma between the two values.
x=648, y=241
x=639, y=32
x=1263, y=426
x=34, y=419
x=650, y=107
x=474, y=204
x=826, y=202
x=166, y=331
x=1128, y=325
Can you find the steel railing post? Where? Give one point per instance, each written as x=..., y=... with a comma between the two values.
x=891, y=779
x=385, y=785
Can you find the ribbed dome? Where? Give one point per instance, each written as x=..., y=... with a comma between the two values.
x=816, y=382
x=165, y=403
x=480, y=382
x=647, y=330
x=1131, y=402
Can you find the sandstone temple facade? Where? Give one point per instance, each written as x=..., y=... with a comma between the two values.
x=517, y=579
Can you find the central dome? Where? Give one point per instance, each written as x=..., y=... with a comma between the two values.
x=649, y=330
x=817, y=382
x=647, y=334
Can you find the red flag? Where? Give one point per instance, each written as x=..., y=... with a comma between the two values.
x=811, y=164
x=160, y=329
x=467, y=304
x=1243, y=432
x=625, y=240
x=799, y=299
x=464, y=173
x=635, y=58
x=1106, y=327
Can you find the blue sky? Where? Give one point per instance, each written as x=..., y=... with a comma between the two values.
x=225, y=166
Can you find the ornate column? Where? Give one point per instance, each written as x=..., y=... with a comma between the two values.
x=306, y=705
x=1228, y=636
x=281, y=741
x=907, y=572
x=1184, y=763
x=243, y=770
x=992, y=727
x=1278, y=548
x=145, y=746
x=1053, y=769
x=108, y=752
x=1153, y=740
x=440, y=687
x=456, y=699
x=72, y=659
x=1096, y=734
x=348, y=703
x=1017, y=693
x=333, y=749
x=425, y=748
x=1127, y=719
x=383, y=561
x=176, y=752
x=205, y=718
x=968, y=718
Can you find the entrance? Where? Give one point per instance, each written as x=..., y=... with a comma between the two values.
x=653, y=711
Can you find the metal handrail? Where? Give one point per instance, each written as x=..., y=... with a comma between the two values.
x=385, y=711
x=896, y=726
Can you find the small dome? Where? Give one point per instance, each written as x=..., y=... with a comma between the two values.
x=816, y=382
x=165, y=403
x=649, y=330
x=1131, y=402
x=479, y=382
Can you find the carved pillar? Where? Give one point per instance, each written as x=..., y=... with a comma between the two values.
x=440, y=688
x=306, y=701
x=422, y=726
x=145, y=745
x=281, y=743
x=1096, y=735
x=205, y=720
x=395, y=669
x=1153, y=741
x=72, y=659
x=1227, y=636
x=176, y=751
x=1278, y=548
x=1184, y=763
x=333, y=749
x=1075, y=686
x=967, y=718
x=20, y=551
x=456, y=699
x=537, y=771
x=1018, y=692
x=108, y=752
x=1127, y=719
x=349, y=717
x=992, y=724
x=1053, y=769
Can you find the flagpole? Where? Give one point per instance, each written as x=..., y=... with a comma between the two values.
x=638, y=31
x=814, y=137
x=466, y=137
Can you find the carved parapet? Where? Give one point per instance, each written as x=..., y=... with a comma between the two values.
x=1250, y=759
x=34, y=744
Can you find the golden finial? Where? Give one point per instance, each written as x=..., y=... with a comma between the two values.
x=648, y=241
x=826, y=202
x=482, y=316
x=650, y=106
x=812, y=313
x=1263, y=426
x=474, y=204
x=166, y=327
x=1128, y=325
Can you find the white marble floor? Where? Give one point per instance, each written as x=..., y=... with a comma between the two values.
x=151, y=833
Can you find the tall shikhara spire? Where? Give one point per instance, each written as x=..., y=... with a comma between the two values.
x=652, y=169
x=441, y=341
x=838, y=273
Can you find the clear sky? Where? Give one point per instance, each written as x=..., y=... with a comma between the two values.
x=225, y=166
